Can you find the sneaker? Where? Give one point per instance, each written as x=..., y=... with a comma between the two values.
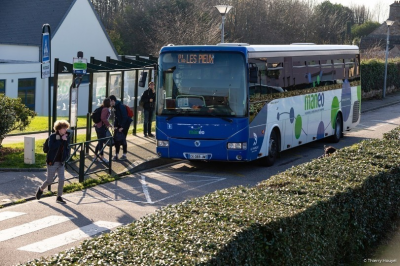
x=115, y=158
x=104, y=160
x=60, y=200
x=123, y=157
x=151, y=135
x=39, y=193
x=145, y=135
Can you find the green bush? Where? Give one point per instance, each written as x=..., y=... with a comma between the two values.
x=14, y=115
x=373, y=73
x=329, y=211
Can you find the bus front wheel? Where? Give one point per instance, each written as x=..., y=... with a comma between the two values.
x=273, y=149
x=338, y=129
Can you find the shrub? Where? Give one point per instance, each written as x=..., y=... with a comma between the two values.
x=13, y=115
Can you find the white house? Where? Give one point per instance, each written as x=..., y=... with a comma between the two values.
x=74, y=26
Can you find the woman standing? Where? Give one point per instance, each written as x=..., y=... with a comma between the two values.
x=101, y=129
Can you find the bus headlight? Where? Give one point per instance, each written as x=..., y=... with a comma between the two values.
x=237, y=146
x=162, y=143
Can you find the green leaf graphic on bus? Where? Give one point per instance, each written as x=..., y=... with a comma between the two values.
x=298, y=126
x=334, y=111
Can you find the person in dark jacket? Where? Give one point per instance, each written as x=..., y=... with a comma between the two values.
x=148, y=98
x=57, y=155
x=101, y=129
x=122, y=123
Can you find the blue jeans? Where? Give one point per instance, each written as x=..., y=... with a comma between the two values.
x=148, y=118
x=101, y=133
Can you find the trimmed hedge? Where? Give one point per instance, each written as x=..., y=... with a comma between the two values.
x=329, y=211
x=372, y=74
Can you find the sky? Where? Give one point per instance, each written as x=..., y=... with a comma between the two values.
x=372, y=5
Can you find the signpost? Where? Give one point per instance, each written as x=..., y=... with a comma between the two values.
x=79, y=67
x=45, y=69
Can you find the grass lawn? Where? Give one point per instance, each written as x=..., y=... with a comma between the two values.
x=41, y=123
x=12, y=155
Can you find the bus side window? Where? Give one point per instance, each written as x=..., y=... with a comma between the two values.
x=327, y=72
x=299, y=73
x=349, y=65
x=338, y=64
x=275, y=74
x=314, y=71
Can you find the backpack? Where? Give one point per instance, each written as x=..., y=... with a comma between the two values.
x=46, y=145
x=96, y=115
x=129, y=111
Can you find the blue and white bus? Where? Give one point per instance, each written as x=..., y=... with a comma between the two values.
x=241, y=102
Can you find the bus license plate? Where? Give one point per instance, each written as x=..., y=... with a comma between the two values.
x=198, y=156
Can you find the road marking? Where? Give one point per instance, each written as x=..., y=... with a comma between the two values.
x=32, y=227
x=193, y=188
x=145, y=189
x=8, y=215
x=69, y=237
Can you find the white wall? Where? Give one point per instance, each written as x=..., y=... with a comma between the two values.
x=81, y=31
x=12, y=72
x=19, y=52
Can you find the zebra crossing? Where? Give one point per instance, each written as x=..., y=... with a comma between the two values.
x=48, y=221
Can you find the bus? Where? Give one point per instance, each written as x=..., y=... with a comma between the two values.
x=238, y=102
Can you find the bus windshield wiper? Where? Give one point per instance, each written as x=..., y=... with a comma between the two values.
x=223, y=118
x=170, y=117
x=178, y=112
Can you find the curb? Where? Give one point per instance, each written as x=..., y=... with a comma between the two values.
x=23, y=169
x=152, y=163
x=380, y=106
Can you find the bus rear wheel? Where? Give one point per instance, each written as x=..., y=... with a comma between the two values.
x=335, y=138
x=273, y=150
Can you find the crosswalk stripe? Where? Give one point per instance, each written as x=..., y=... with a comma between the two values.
x=8, y=215
x=69, y=237
x=32, y=227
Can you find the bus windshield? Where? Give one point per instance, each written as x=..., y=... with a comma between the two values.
x=202, y=84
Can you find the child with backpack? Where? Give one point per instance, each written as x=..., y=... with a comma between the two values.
x=101, y=125
x=57, y=153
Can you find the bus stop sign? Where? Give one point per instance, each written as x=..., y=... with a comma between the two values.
x=79, y=66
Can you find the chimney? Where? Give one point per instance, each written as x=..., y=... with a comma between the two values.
x=394, y=13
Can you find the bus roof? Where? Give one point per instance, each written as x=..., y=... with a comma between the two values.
x=287, y=50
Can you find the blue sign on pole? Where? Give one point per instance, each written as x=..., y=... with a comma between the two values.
x=45, y=47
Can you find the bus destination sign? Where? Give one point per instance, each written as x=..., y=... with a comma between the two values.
x=196, y=58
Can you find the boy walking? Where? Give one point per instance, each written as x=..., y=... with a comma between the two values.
x=57, y=155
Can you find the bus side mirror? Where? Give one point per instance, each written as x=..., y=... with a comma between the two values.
x=142, y=79
x=253, y=74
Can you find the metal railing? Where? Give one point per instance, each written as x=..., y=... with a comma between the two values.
x=83, y=150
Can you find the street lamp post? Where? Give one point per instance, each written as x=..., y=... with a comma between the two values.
x=388, y=23
x=223, y=10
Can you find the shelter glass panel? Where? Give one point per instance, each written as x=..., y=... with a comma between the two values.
x=64, y=84
x=115, y=84
x=99, y=89
x=129, y=88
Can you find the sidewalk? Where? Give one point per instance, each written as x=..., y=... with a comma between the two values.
x=21, y=184
x=16, y=184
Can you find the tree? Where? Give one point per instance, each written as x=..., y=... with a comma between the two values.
x=333, y=20
x=358, y=31
x=14, y=115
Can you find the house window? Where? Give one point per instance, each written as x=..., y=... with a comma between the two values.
x=26, y=91
x=2, y=87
